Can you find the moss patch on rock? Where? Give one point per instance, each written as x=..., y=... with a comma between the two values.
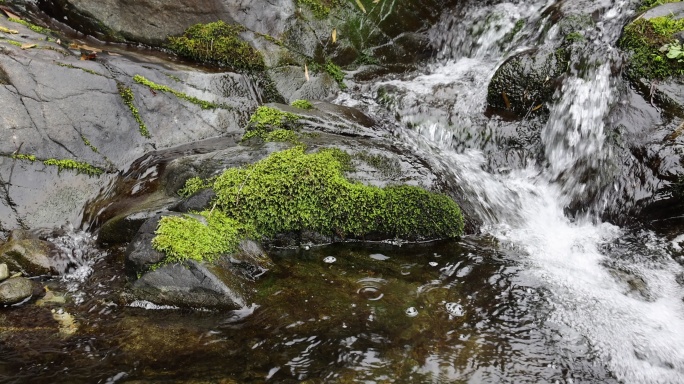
x=302, y=104
x=63, y=164
x=649, y=42
x=217, y=44
x=128, y=97
x=292, y=191
x=163, y=88
x=271, y=124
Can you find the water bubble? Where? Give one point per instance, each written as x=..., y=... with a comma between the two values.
x=432, y=263
x=454, y=309
x=411, y=312
x=330, y=259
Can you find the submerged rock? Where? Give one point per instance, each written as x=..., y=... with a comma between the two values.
x=14, y=290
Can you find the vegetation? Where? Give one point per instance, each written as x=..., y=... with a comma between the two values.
x=163, y=88
x=72, y=165
x=271, y=124
x=86, y=70
x=651, y=44
x=193, y=185
x=320, y=8
x=336, y=72
x=33, y=27
x=302, y=104
x=291, y=191
x=128, y=97
x=218, y=44
x=648, y=4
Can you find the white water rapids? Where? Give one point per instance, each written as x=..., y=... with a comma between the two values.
x=630, y=314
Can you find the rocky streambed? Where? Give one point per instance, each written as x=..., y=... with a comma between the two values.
x=335, y=191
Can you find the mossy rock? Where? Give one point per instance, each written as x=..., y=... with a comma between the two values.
x=218, y=44
x=648, y=40
x=525, y=83
x=293, y=192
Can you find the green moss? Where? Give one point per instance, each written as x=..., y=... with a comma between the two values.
x=291, y=191
x=386, y=166
x=73, y=165
x=128, y=97
x=21, y=156
x=319, y=8
x=88, y=144
x=198, y=238
x=33, y=27
x=574, y=37
x=193, y=185
x=302, y=104
x=645, y=39
x=174, y=78
x=163, y=88
x=336, y=72
x=86, y=70
x=10, y=41
x=282, y=135
x=218, y=44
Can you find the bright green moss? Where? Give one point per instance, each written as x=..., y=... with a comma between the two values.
x=319, y=9
x=302, y=104
x=645, y=39
x=267, y=120
x=336, y=72
x=192, y=186
x=86, y=70
x=128, y=97
x=292, y=191
x=198, y=237
x=282, y=135
x=21, y=156
x=218, y=44
x=33, y=27
x=73, y=165
x=12, y=42
x=163, y=88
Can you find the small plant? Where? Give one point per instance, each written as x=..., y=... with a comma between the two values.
x=335, y=71
x=675, y=51
x=302, y=104
x=646, y=40
x=128, y=97
x=163, y=88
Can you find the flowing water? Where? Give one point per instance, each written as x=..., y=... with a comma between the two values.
x=546, y=292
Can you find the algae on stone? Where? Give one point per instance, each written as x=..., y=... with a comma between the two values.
x=648, y=41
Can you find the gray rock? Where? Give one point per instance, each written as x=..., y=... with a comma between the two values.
x=674, y=10
x=190, y=285
x=140, y=255
x=197, y=202
x=28, y=254
x=15, y=290
x=4, y=272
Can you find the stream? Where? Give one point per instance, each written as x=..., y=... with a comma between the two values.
x=548, y=290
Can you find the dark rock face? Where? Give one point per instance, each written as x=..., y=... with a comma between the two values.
x=526, y=82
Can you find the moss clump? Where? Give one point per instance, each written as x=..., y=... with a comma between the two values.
x=12, y=42
x=282, y=135
x=73, y=165
x=336, y=72
x=193, y=185
x=33, y=27
x=645, y=39
x=270, y=124
x=291, y=191
x=203, y=237
x=21, y=156
x=320, y=8
x=86, y=70
x=163, y=88
x=218, y=44
x=302, y=104
x=128, y=97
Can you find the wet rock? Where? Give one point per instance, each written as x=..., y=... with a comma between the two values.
x=191, y=285
x=197, y=202
x=123, y=227
x=4, y=272
x=15, y=290
x=525, y=83
x=26, y=253
x=140, y=256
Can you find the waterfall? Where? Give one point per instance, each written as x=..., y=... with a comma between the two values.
x=609, y=287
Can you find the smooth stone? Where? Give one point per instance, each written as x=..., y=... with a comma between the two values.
x=15, y=290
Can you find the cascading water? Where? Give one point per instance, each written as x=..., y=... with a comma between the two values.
x=629, y=313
